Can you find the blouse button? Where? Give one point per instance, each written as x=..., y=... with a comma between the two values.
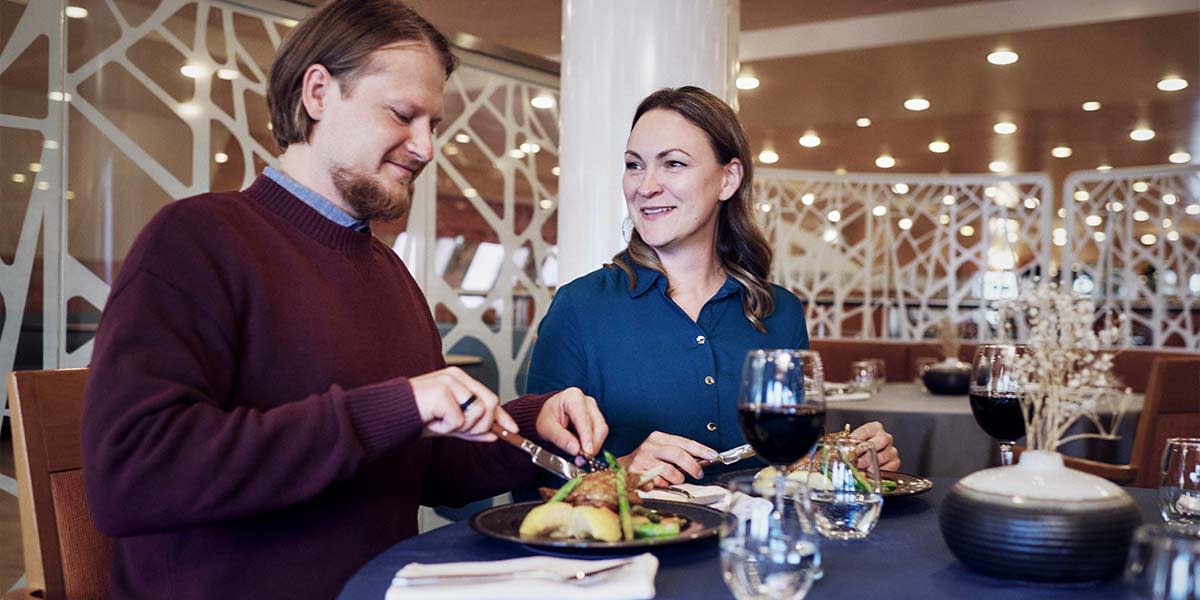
x=709, y=380
x=700, y=339
x=711, y=426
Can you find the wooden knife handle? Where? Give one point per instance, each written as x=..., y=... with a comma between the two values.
x=511, y=437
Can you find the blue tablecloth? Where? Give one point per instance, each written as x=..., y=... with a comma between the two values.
x=904, y=557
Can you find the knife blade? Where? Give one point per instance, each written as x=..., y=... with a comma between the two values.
x=731, y=456
x=539, y=455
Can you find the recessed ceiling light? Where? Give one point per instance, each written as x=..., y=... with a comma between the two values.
x=863, y=122
x=1059, y=236
x=50, y=144
x=900, y=188
x=1141, y=215
x=1032, y=203
x=228, y=74
x=35, y=167
x=1192, y=209
x=1062, y=212
x=997, y=166
x=834, y=216
x=746, y=82
x=1005, y=128
x=810, y=140
x=966, y=230
x=948, y=200
x=1140, y=186
x=1117, y=207
x=59, y=96
x=1167, y=223
x=916, y=103
x=808, y=198
x=221, y=158
x=885, y=161
x=18, y=177
x=905, y=223
x=944, y=219
x=1172, y=83
x=1179, y=157
x=462, y=138
x=1103, y=168
x=1173, y=235
x=516, y=153
x=1093, y=220
x=530, y=148
x=768, y=157
x=1148, y=239
x=43, y=185
x=839, y=171
x=470, y=192
x=879, y=210
x=190, y=109
x=939, y=146
x=193, y=70
x=542, y=101
x=765, y=207
x=1060, y=151
x=545, y=204
x=1082, y=196
x=76, y=12
x=1099, y=236
x=1091, y=105
x=1141, y=134
x=1170, y=199
x=555, y=170
x=990, y=191
x=450, y=150
x=830, y=235
x=1003, y=57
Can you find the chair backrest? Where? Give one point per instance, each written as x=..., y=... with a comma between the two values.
x=1171, y=409
x=65, y=555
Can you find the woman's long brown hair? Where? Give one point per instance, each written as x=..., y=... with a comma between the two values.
x=741, y=247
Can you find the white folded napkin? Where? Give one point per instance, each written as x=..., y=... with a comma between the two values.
x=632, y=582
x=848, y=397
x=701, y=494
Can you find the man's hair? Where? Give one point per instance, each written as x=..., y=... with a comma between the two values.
x=340, y=35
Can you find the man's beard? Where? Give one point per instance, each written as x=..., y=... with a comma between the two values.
x=369, y=199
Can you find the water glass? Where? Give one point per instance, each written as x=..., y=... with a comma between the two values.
x=1179, y=493
x=768, y=549
x=846, y=498
x=1164, y=562
x=880, y=372
x=864, y=376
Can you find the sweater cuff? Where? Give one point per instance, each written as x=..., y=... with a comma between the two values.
x=384, y=415
x=525, y=410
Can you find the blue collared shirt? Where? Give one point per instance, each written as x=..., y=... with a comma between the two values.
x=647, y=363
x=318, y=202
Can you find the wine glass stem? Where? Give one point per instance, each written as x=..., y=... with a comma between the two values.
x=1006, y=453
x=780, y=483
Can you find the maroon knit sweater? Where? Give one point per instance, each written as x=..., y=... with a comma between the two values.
x=249, y=429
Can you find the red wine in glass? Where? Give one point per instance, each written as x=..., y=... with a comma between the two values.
x=782, y=435
x=995, y=394
x=999, y=415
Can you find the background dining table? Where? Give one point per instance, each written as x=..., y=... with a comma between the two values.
x=938, y=436
x=904, y=557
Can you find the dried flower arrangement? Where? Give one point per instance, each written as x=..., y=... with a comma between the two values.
x=1068, y=375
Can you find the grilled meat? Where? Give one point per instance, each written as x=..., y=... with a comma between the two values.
x=599, y=489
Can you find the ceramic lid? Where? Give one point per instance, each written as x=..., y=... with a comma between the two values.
x=1041, y=475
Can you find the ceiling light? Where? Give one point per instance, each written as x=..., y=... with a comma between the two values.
x=50, y=144
x=997, y=166
x=542, y=101
x=885, y=161
x=59, y=97
x=1005, y=128
x=948, y=200
x=1179, y=157
x=1093, y=220
x=1091, y=105
x=1192, y=209
x=916, y=103
x=1141, y=215
x=765, y=207
x=70, y=195
x=944, y=219
x=900, y=188
x=228, y=74
x=1099, y=236
x=1172, y=83
x=1167, y=223
x=1062, y=213
x=1169, y=199
x=863, y=122
x=1003, y=57
x=1140, y=186
x=193, y=70
x=462, y=138
x=1031, y=203
x=450, y=150
x=289, y=22
x=768, y=157
x=18, y=178
x=470, y=193
x=830, y=235
x=35, y=167
x=530, y=148
x=1060, y=151
x=1173, y=235
x=939, y=146
x=1103, y=168
x=545, y=204
x=747, y=82
x=189, y=109
x=990, y=191
x=221, y=158
x=1148, y=239
x=1141, y=134
x=43, y=185
x=808, y=198
x=905, y=223
x=79, y=12
x=555, y=170
x=1116, y=206
x=1059, y=236
x=966, y=231
x=839, y=171
x=1081, y=196
x=516, y=153
x=834, y=216
x=810, y=140
x=879, y=210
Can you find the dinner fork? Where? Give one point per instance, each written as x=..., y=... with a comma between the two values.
x=541, y=574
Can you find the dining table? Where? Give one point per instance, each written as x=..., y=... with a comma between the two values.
x=904, y=557
x=938, y=437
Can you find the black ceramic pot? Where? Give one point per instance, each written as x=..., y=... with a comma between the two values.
x=1039, y=521
x=949, y=377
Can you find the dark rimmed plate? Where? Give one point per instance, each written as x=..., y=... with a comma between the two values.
x=504, y=523
x=906, y=485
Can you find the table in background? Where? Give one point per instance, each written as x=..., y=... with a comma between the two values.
x=904, y=557
x=938, y=437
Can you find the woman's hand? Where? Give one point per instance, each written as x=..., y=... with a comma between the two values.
x=887, y=454
x=572, y=421
x=674, y=456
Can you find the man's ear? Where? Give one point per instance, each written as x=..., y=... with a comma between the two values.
x=731, y=179
x=316, y=90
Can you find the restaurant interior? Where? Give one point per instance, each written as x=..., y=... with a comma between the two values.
x=920, y=166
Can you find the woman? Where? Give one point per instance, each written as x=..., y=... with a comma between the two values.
x=658, y=337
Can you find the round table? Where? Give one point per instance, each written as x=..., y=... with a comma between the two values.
x=904, y=557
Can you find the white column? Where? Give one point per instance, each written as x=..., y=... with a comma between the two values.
x=615, y=52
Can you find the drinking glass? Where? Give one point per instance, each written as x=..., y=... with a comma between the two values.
x=846, y=499
x=880, y=372
x=1179, y=494
x=864, y=376
x=995, y=394
x=768, y=551
x=781, y=406
x=921, y=364
x=1164, y=562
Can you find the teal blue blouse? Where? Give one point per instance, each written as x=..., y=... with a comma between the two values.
x=647, y=364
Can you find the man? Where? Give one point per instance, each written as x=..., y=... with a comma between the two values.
x=267, y=404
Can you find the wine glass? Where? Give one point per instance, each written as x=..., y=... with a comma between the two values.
x=995, y=394
x=781, y=407
x=1179, y=493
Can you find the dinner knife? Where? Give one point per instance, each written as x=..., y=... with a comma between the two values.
x=731, y=456
x=539, y=455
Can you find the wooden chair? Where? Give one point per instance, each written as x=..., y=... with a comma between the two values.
x=65, y=555
x=1171, y=409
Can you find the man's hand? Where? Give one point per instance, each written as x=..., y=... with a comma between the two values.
x=439, y=395
x=570, y=410
x=885, y=452
x=672, y=455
